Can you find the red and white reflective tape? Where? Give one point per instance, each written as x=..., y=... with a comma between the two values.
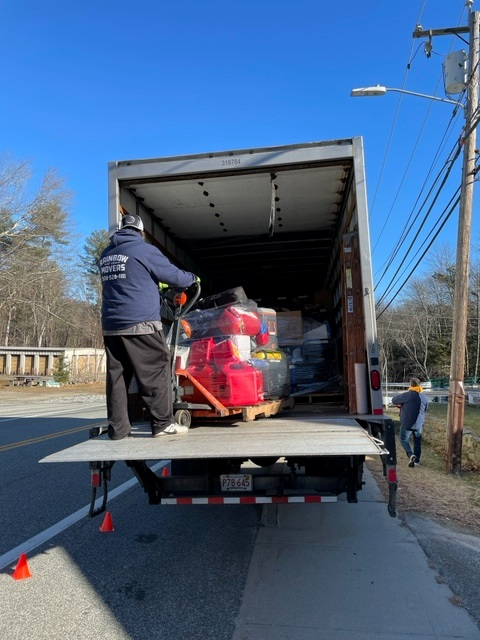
x=250, y=500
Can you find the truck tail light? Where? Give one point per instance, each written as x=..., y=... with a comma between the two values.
x=375, y=380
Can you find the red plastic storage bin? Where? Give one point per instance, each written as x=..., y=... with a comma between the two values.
x=238, y=321
x=225, y=352
x=243, y=385
x=211, y=378
x=201, y=352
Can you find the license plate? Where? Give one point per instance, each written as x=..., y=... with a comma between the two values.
x=236, y=482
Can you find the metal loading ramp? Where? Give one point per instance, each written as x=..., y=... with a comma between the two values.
x=280, y=437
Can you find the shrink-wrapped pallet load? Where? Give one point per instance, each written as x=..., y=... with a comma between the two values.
x=229, y=350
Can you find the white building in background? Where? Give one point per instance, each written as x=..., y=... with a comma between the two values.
x=85, y=364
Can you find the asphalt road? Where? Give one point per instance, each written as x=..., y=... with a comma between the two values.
x=332, y=571
x=35, y=496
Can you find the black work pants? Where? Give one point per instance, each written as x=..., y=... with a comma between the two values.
x=148, y=358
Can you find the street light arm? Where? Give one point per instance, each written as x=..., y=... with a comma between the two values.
x=424, y=95
x=378, y=90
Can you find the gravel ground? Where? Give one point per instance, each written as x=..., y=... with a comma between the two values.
x=94, y=392
x=450, y=501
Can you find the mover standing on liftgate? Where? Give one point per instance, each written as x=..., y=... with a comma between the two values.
x=131, y=270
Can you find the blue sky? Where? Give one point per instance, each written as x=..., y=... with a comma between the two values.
x=87, y=83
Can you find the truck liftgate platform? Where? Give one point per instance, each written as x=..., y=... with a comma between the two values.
x=296, y=458
x=275, y=437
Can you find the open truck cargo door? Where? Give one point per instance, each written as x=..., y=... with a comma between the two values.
x=289, y=224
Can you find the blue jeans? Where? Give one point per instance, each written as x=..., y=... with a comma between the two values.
x=417, y=442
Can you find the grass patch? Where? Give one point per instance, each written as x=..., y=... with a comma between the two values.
x=434, y=439
x=471, y=420
x=437, y=415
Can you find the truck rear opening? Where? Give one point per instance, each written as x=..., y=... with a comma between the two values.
x=289, y=224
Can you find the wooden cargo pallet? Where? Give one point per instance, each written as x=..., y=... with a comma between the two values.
x=266, y=409
x=248, y=413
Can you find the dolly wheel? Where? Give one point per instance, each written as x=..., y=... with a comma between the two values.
x=183, y=417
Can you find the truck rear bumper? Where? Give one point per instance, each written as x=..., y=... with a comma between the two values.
x=251, y=500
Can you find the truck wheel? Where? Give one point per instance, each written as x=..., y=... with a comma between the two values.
x=183, y=417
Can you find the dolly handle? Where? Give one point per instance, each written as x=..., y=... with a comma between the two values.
x=194, y=298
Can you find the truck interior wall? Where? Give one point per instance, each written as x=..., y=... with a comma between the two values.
x=156, y=234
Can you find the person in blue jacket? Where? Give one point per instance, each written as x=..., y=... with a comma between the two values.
x=131, y=271
x=413, y=405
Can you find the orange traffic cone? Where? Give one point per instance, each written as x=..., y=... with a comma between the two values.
x=165, y=472
x=21, y=570
x=107, y=524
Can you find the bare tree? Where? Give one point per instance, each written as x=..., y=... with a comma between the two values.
x=89, y=288
x=34, y=228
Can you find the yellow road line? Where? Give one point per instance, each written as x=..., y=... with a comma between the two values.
x=24, y=443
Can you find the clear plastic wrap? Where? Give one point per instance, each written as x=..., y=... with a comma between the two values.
x=229, y=351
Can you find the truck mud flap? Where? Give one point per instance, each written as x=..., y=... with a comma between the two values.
x=354, y=481
x=389, y=461
x=101, y=473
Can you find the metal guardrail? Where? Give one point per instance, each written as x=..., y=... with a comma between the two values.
x=436, y=394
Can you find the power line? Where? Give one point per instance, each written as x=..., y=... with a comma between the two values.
x=427, y=214
x=392, y=129
x=444, y=214
x=447, y=216
x=407, y=228
x=399, y=243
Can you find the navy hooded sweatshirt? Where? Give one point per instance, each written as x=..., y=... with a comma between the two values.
x=131, y=269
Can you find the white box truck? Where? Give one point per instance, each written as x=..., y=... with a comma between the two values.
x=290, y=225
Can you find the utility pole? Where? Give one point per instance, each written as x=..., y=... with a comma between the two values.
x=456, y=396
